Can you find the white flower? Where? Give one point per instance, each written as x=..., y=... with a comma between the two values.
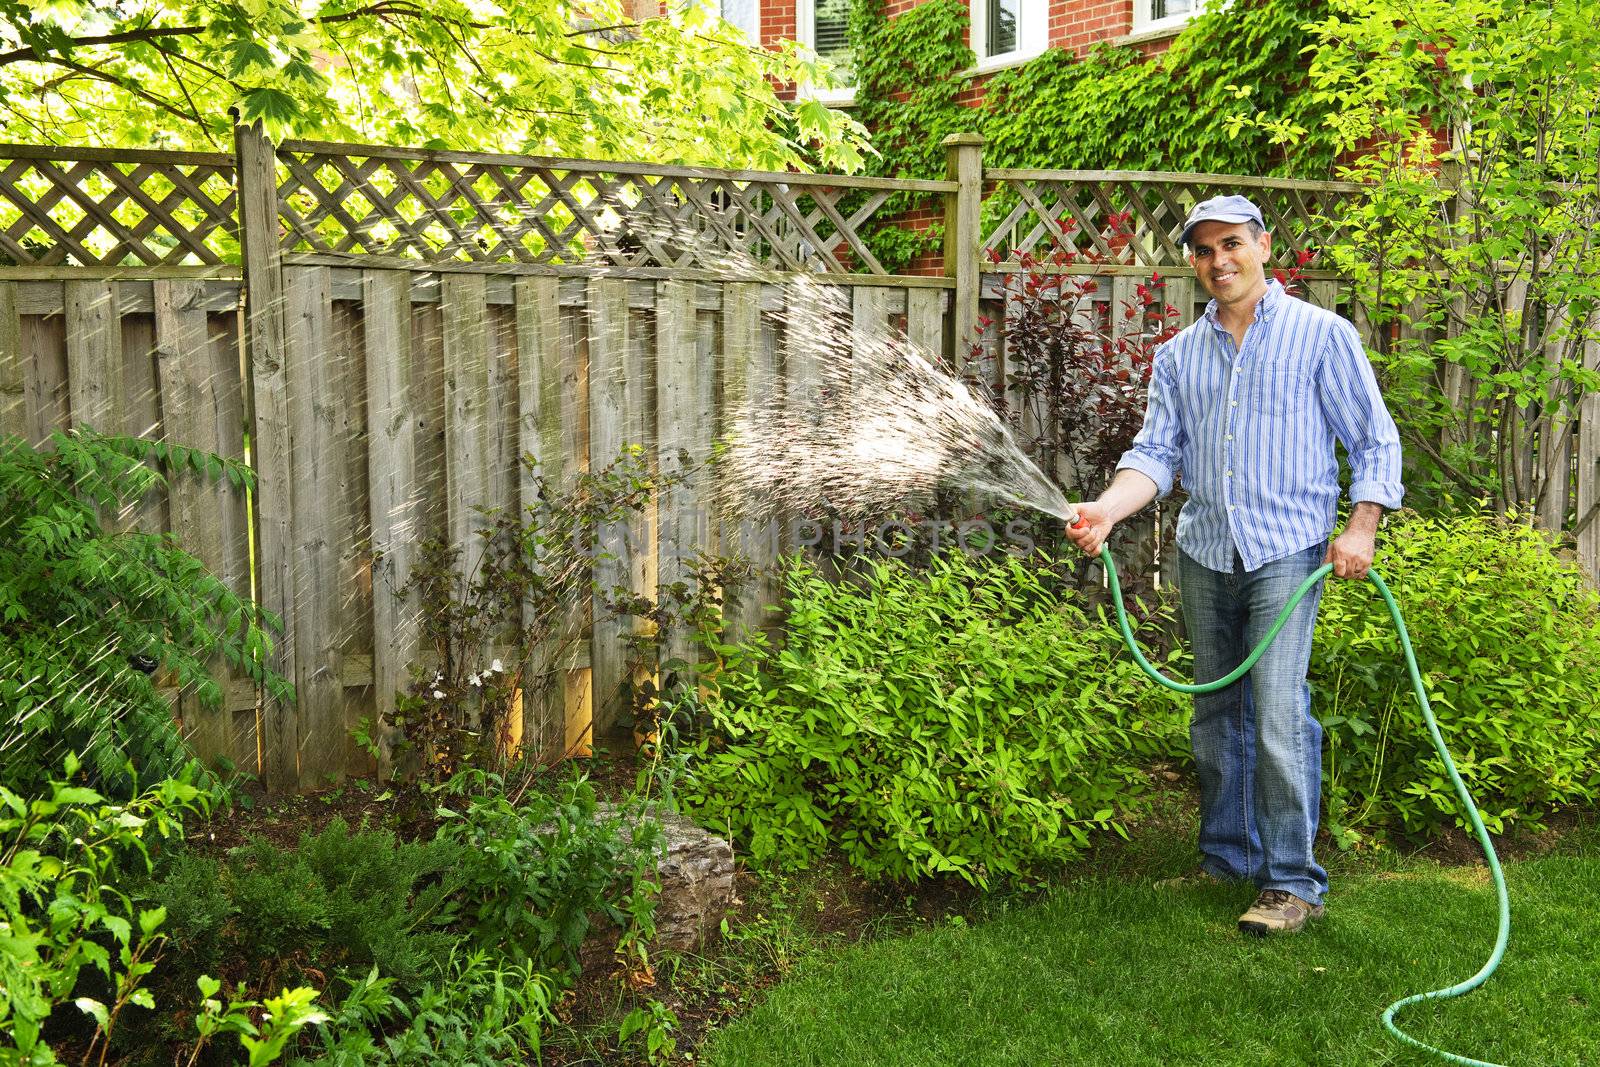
x=438, y=677
x=496, y=667
x=438, y=694
x=475, y=681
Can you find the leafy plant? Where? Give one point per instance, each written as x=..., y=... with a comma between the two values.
x=342, y=899
x=534, y=873
x=591, y=79
x=83, y=607
x=1507, y=634
x=969, y=720
x=481, y=1011
x=61, y=911
x=1233, y=65
x=1472, y=251
x=282, y=1018
x=653, y=1024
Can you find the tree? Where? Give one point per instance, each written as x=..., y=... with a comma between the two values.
x=1475, y=252
x=546, y=77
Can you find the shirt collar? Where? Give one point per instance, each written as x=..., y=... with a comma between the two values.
x=1269, y=303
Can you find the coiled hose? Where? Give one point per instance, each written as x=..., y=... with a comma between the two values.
x=1504, y=933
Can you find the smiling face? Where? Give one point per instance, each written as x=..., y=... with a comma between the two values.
x=1230, y=262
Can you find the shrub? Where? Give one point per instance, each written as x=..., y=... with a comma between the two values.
x=534, y=873
x=62, y=916
x=518, y=879
x=1507, y=637
x=345, y=900
x=81, y=604
x=967, y=720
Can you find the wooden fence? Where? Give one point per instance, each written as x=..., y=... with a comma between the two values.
x=383, y=334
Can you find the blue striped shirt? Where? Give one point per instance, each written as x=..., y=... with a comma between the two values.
x=1252, y=431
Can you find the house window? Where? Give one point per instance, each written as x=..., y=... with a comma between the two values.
x=744, y=15
x=825, y=29
x=1162, y=14
x=1005, y=30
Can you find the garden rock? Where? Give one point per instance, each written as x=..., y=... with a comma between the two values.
x=695, y=870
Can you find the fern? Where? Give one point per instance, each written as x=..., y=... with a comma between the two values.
x=81, y=604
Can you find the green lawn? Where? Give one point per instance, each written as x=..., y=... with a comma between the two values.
x=1121, y=972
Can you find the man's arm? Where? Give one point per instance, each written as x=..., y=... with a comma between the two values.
x=1354, y=407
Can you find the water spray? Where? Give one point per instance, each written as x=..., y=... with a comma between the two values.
x=1503, y=932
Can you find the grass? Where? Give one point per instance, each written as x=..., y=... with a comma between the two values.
x=1107, y=970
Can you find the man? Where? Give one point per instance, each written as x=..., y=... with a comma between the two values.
x=1246, y=404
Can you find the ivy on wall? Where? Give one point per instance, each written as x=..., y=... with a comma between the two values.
x=1179, y=111
x=908, y=95
x=1111, y=109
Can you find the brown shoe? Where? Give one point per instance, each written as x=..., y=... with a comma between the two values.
x=1278, y=911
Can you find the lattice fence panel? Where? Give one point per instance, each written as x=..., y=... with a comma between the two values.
x=1137, y=219
x=462, y=207
x=87, y=207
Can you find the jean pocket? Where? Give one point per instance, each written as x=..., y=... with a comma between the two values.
x=1280, y=387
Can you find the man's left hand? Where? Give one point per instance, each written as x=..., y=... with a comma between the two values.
x=1351, y=553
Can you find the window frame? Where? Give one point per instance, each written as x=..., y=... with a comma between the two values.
x=1033, y=33
x=753, y=34
x=1143, y=23
x=805, y=32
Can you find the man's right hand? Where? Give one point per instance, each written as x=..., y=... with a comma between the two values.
x=1095, y=526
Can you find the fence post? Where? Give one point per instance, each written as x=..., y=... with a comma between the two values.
x=962, y=226
x=265, y=335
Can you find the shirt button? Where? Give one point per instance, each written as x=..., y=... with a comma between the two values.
x=1230, y=507
x=1233, y=403
x=1227, y=474
x=1227, y=437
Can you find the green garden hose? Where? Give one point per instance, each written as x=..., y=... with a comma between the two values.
x=1504, y=932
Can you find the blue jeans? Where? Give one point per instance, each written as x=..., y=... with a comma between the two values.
x=1257, y=747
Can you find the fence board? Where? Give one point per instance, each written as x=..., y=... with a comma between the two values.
x=395, y=496
x=13, y=407
x=140, y=414
x=570, y=440
x=869, y=327
x=684, y=424
x=925, y=324
x=94, y=355
x=1179, y=292
x=615, y=401
x=271, y=445
x=1587, y=483
x=183, y=362
x=750, y=379
x=467, y=455
x=314, y=410
x=538, y=336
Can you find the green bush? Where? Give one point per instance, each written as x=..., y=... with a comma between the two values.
x=533, y=874
x=80, y=604
x=1507, y=636
x=969, y=719
x=519, y=879
x=344, y=900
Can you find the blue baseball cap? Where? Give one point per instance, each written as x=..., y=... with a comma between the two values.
x=1222, y=209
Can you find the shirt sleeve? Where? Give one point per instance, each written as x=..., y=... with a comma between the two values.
x=1354, y=408
x=1157, y=451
